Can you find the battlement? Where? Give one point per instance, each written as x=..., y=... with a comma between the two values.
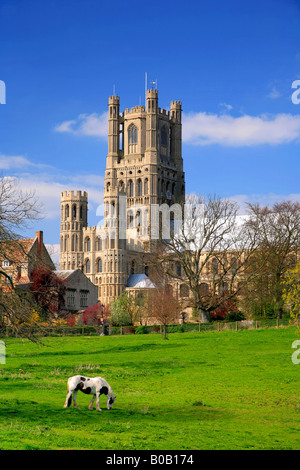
x=176, y=104
x=69, y=195
x=136, y=109
x=152, y=93
x=164, y=112
x=89, y=229
x=114, y=100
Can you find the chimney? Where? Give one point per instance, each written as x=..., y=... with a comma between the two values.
x=39, y=235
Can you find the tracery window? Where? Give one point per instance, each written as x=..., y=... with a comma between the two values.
x=132, y=138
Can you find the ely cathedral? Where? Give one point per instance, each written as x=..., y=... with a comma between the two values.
x=144, y=169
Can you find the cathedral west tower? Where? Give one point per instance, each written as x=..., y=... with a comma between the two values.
x=144, y=167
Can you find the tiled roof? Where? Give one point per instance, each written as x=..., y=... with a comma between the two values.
x=64, y=274
x=16, y=250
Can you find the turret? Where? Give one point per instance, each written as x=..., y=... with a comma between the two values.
x=74, y=209
x=113, y=126
x=152, y=124
x=176, y=144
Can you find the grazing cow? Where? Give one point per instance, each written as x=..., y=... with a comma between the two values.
x=91, y=386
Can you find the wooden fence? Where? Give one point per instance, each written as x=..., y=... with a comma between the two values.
x=85, y=330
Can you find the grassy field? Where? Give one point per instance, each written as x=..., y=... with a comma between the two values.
x=214, y=390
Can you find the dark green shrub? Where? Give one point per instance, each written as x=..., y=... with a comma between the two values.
x=141, y=330
x=234, y=316
x=180, y=329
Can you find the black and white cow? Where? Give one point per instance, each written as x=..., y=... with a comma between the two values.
x=91, y=386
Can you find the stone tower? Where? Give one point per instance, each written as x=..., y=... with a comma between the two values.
x=74, y=209
x=144, y=169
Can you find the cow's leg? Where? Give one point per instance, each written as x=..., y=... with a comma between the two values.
x=68, y=399
x=74, y=399
x=70, y=391
x=98, y=401
x=92, y=402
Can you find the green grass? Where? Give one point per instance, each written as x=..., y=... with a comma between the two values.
x=214, y=390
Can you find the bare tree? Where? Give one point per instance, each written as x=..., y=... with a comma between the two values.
x=163, y=307
x=213, y=248
x=17, y=210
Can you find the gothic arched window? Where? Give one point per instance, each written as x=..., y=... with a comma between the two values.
x=67, y=211
x=215, y=266
x=146, y=186
x=99, y=265
x=184, y=290
x=87, y=266
x=99, y=243
x=132, y=134
x=139, y=187
x=74, y=211
x=88, y=244
x=132, y=138
x=132, y=267
x=130, y=188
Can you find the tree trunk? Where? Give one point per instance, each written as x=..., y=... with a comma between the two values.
x=204, y=316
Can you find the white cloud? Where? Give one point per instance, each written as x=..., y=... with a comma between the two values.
x=227, y=106
x=274, y=93
x=53, y=251
x=86, y=124
x=8, y=162
x=206, y=129
x=17, y=162
x=48, y=191
x=268, y=199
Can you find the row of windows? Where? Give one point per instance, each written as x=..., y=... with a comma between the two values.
x=133, y=135
x=99, y=266
x=71, y=298
x=76, y=243
x=142, y=188
x=74, y=211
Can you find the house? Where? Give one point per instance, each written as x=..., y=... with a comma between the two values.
x=80, y=291
x=21, y=257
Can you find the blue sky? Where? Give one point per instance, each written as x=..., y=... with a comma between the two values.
x=231, y=63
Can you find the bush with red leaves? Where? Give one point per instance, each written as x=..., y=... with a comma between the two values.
x=92, y=315
x=48, y=292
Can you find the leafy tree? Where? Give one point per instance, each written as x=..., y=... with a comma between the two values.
x=277, y=235
x=48, y=291
x=123, y=310
x=227, y=307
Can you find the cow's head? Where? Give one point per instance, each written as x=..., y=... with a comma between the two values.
x=110, y=402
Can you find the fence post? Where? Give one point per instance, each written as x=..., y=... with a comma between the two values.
x=236, y=326
x=277, y=322
x=218, y=326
